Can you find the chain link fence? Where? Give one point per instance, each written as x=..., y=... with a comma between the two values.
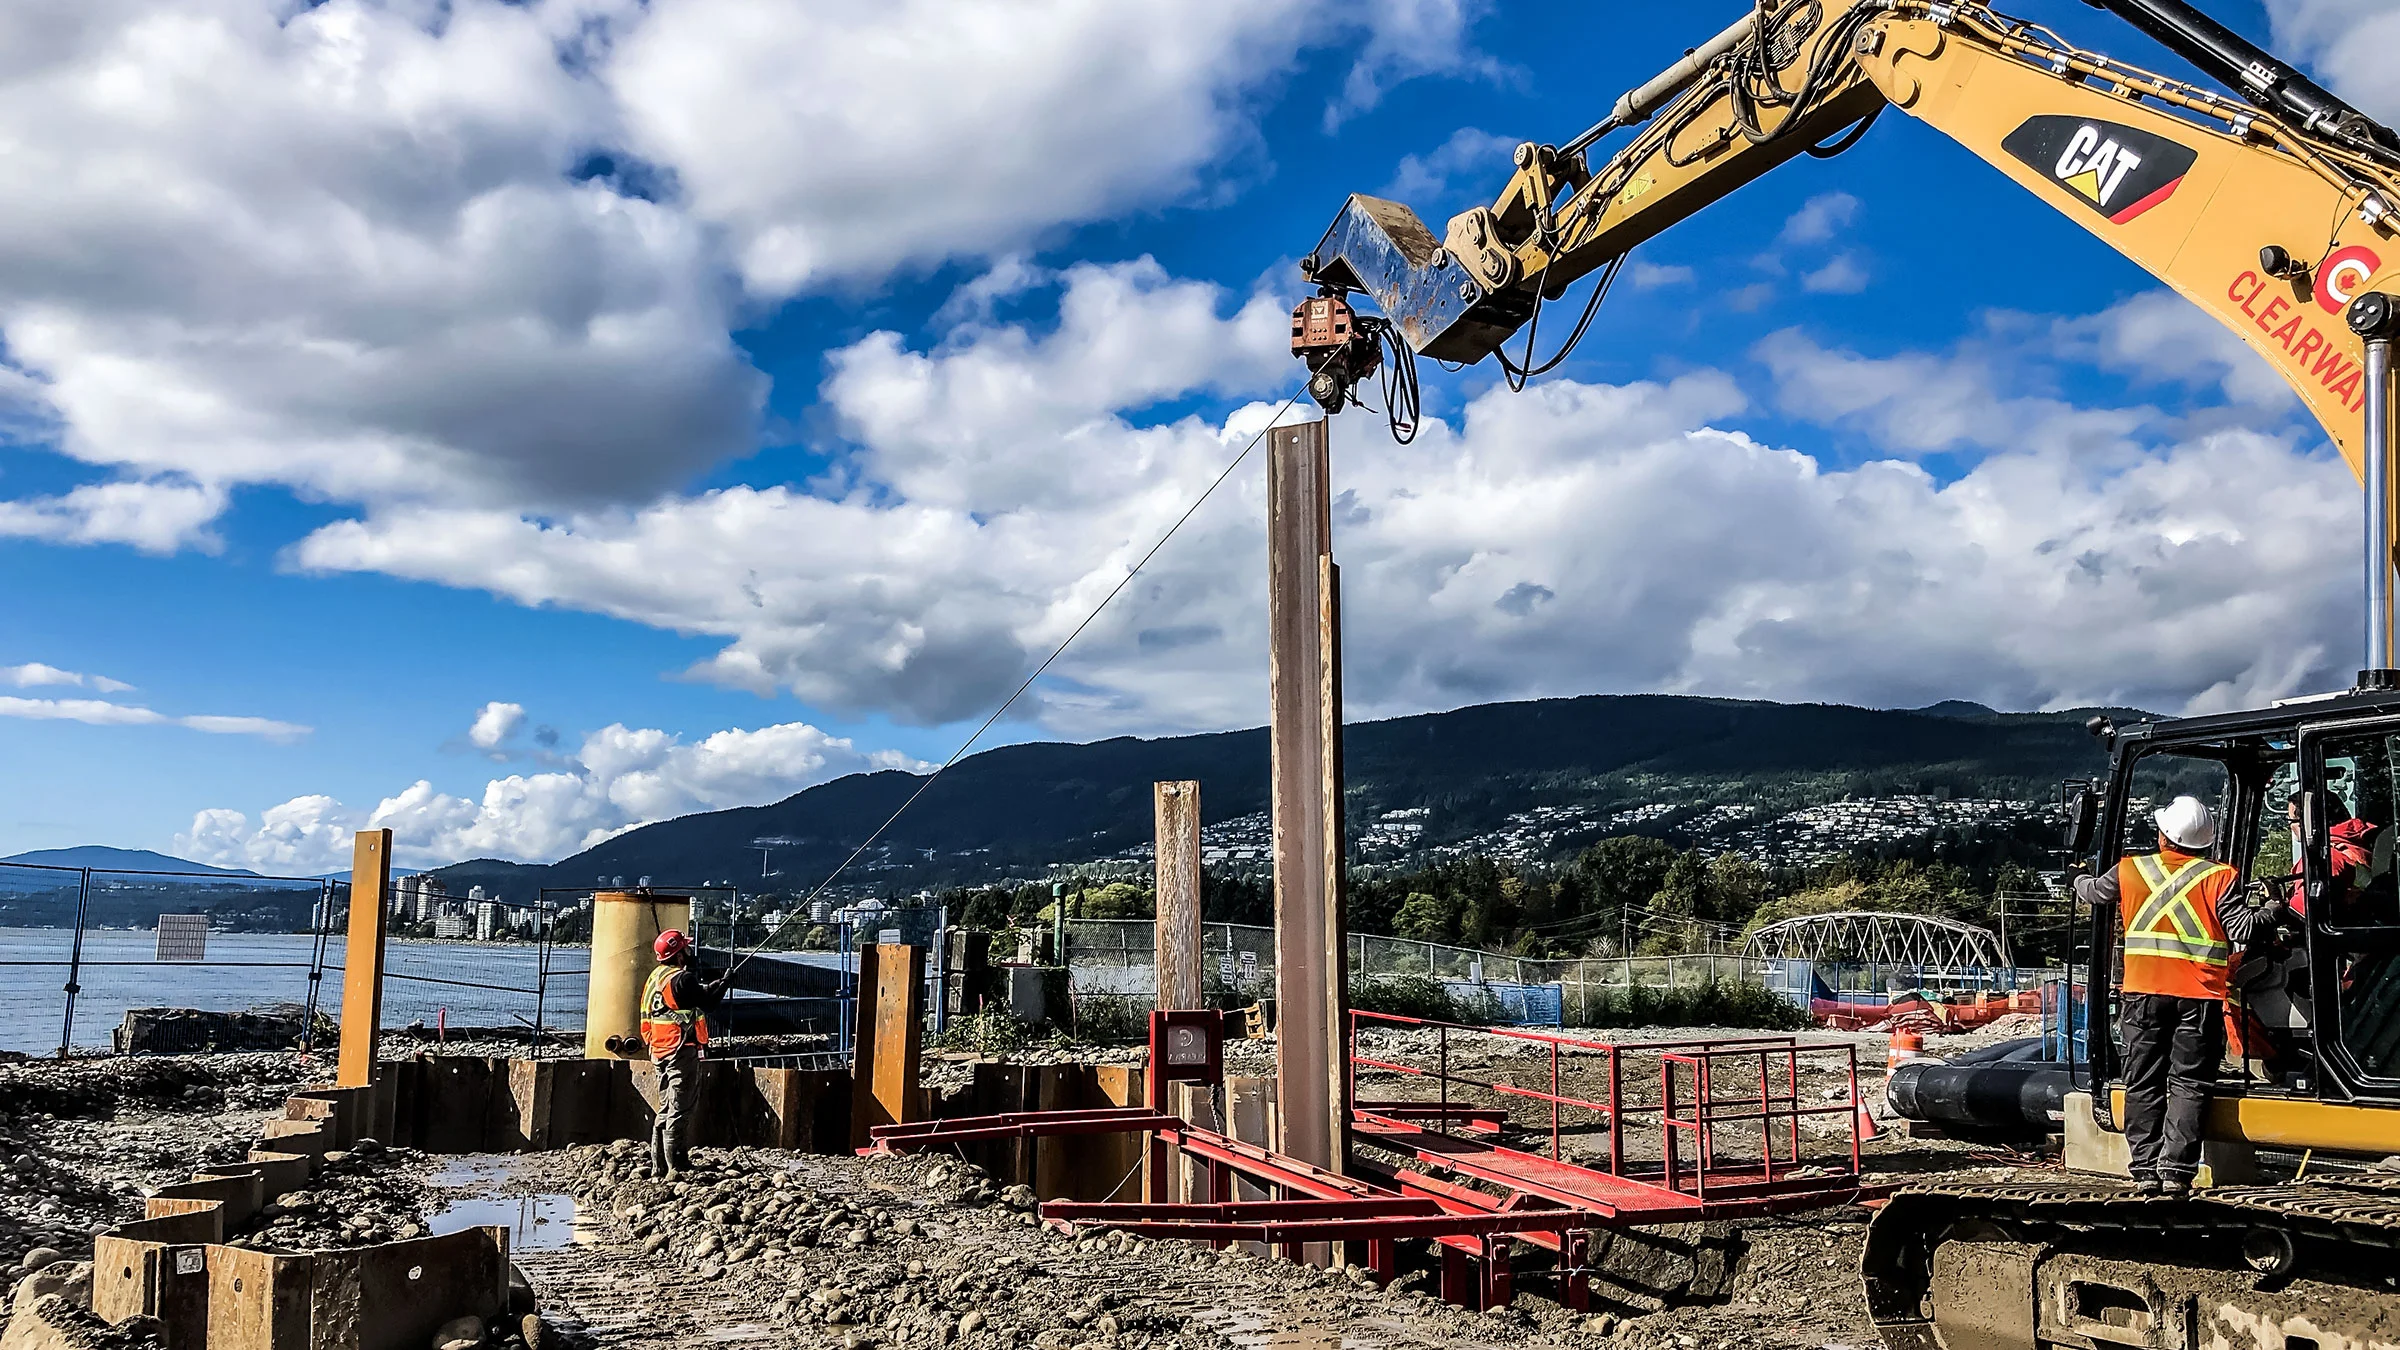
x=1115, y=958
x=80, y=948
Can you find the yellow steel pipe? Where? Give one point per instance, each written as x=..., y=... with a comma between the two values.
x=624, y=925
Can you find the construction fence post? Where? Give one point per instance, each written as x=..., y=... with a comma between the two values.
x=74, y=986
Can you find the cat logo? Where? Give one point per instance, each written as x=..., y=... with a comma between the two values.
x=2119, y=171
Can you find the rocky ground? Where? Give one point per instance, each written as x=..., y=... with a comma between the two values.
x=815, y=1251
x=81, y=1141
x=364, y=1195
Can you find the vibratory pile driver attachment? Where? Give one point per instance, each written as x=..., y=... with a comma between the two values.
x=1344, y=348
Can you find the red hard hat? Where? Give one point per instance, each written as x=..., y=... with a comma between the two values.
x=671, y=944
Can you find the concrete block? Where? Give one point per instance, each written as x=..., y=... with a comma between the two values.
x=1026, y=994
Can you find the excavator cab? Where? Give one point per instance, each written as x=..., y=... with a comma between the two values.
x=2307, y=795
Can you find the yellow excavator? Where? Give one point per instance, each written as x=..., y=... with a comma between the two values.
x=2269, y=203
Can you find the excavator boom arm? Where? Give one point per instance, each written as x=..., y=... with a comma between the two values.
x=2273, y=219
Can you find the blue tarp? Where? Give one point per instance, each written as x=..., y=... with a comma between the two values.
x=1514, y=1005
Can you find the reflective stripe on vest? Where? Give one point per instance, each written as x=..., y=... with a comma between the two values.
x=665, y=1027
x=2168, y=924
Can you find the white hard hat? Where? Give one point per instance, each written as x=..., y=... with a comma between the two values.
x=2187, y=823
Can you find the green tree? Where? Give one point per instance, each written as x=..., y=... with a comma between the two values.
x=1427, y=918
x=1674, y=906
x=1119, y=900
x=1734, y=889
x=1619, y=875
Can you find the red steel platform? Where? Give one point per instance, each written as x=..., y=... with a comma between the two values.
x=1716, y=1132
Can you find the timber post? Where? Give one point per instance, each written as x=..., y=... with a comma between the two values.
x=362, y=957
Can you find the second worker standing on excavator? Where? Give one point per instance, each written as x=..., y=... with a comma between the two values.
x=676, y=1002
x=2183, y=916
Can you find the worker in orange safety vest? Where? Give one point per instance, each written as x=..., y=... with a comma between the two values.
x=675, y=1004
x=2174, y=906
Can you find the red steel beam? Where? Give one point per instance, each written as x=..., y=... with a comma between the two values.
x=1016, y=1125
x=1234, y=1211
x=1368, y=1229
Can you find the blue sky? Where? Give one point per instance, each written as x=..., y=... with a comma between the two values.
x=740, y=393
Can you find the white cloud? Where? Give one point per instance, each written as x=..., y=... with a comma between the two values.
x=999, y=495
x=2159, y=335
x=95, y=712
x=160, y=516
x=1468, y=169
x=1920, y=403
x=494, y=724
x=1577, y=538
x=837, y=143
x=620, y=778
x=487, y=255
x=1657, y=276
x=339, y=248
x=34, y=674
x=1409, y=38
x=1845, y=275
x=1820, y=219
x=2349, y=43
x=1683, y=558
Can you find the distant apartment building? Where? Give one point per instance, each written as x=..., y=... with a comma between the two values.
x=417, y=899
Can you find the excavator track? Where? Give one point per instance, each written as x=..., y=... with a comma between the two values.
x=2017, y=1265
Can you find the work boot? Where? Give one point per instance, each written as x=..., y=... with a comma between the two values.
x=2147, y=1185
x=2175, y=1188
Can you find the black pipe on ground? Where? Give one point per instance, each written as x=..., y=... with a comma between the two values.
x=2012, y=1096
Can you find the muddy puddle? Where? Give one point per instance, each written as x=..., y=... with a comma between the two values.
x=475, y=1191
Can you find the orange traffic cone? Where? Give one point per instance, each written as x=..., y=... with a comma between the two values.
x=1908, y=1046
x=1869, y=1129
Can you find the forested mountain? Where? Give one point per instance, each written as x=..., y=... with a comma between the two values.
x=1014, y=810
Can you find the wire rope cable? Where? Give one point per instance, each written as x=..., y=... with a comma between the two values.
x=1038, y=672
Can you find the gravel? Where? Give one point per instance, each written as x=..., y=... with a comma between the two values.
x=364, y=1195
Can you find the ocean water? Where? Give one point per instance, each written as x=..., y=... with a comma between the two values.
x=249, y=970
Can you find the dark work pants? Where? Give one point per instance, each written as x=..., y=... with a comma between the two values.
x=2172, y=1046
x=670, y=1129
